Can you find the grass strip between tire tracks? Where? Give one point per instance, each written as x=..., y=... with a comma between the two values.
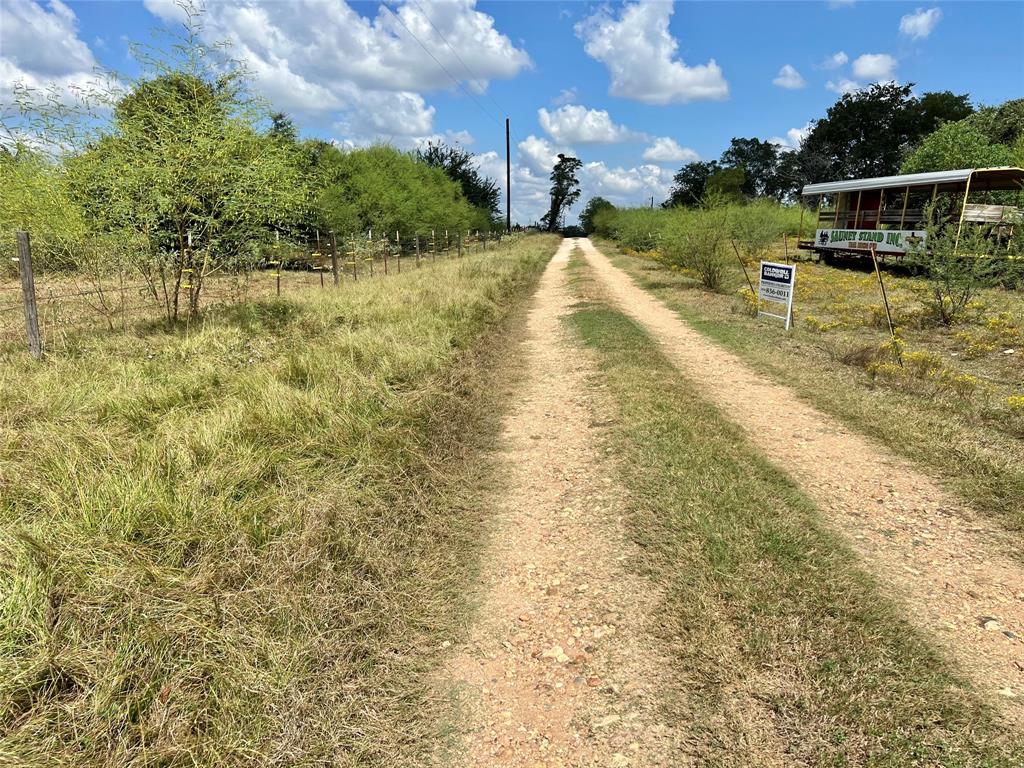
x=787, y=653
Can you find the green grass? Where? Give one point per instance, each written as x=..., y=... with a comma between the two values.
x=244, y=546
x=974, y=451
x=781, y=646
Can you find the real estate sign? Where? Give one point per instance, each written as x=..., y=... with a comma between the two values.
x=776, y=285
x=896, y=241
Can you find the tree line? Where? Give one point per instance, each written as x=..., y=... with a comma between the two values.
x=879, y=131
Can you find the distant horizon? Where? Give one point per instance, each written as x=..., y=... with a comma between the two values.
x=633, y=90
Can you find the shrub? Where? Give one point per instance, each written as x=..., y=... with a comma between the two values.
x=755, y=228
x=957, y=264
x=695, y=239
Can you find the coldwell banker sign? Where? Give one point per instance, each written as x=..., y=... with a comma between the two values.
x=776, y=285
x=884, y=240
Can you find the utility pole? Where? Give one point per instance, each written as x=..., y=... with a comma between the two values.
x=508, y=180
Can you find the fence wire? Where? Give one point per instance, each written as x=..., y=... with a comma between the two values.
x=69, y=304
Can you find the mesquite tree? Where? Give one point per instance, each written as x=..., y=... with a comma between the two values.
x=184, y=172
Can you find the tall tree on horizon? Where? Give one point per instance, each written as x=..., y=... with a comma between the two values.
x=565, y=190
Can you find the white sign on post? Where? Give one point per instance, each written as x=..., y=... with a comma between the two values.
x=777, y=284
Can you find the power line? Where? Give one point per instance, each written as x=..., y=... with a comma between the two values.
x=470, y=72
x=443, y=67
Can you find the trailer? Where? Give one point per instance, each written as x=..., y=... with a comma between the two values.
x=887, y=214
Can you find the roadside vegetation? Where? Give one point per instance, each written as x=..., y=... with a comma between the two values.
x=952, y=400
x=183, y=174
x=243, y=545
x=783, y=650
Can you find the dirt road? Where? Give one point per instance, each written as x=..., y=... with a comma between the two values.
x=558, y=670
x=944, y=562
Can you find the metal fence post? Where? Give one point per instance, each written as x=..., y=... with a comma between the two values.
x=28, y=293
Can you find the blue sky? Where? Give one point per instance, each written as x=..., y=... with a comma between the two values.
x=634, y=90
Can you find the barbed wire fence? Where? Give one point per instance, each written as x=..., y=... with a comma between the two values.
x=44, y=310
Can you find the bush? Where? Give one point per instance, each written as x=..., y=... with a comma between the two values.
x=695, y=240
x=755, y=228
x=958, y=264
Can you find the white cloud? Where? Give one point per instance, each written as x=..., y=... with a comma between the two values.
x=323, y=56
x=920, y=23
x=788, y=77
x=624, y=186
x=843, y=85
x=874, y=66
x=836, y=60
x=667, y=150
x=538, y=155
x=792, y=138
x=41, y=48
x=567, y=96
x=640, y=55
x=573, y=124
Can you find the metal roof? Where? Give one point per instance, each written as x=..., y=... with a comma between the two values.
x=908, y=180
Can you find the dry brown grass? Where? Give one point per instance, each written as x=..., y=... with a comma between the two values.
x=241, y=545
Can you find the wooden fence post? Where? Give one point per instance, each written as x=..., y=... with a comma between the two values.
x=888, y=314
x=417, y=250
x=460, y=243
x=28, y=293
x=334, y=259
x=355, y=260
x=398, y=250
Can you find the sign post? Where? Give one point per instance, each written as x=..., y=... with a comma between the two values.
x=776, y=285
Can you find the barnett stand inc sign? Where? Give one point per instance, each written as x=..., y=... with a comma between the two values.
x=776, y=286
x=893, y=241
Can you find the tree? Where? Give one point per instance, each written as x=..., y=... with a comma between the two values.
x=727, y=184
x=760, y=162
x=690, y=183
x=956, y=145
x=382, y=189
x=34, y=197
x=184, y=174
x=565, y=190
x=1001, y=125
x=940, y=107
x=593, y=207
x=461, y=166
x=283, y=127
x=871, y=131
